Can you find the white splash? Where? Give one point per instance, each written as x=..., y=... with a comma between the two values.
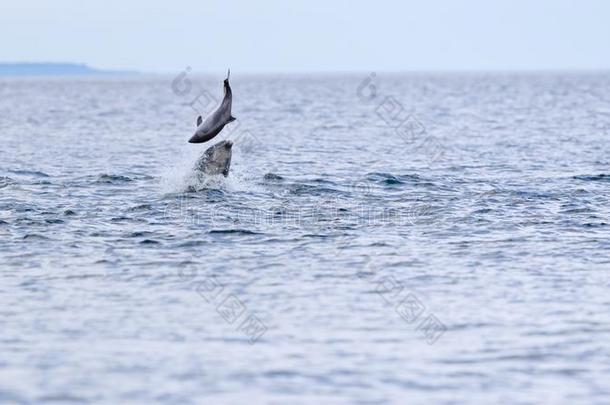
x=181, y=176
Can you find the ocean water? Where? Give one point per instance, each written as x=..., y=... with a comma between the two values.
x=382, y=238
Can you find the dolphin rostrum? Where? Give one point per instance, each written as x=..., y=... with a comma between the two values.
x=216, y=159
x=215, y=122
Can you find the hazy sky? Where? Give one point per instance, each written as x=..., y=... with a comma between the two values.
x=309, y=35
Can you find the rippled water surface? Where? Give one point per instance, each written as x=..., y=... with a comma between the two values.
x=405, y=239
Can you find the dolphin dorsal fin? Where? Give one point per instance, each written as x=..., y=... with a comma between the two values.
x=199, y=120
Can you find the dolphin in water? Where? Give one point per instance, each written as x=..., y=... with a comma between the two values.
x=215, y=122
x=216, y=159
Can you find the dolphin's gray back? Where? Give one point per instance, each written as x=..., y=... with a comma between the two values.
x=215, y=122
x=220, y=117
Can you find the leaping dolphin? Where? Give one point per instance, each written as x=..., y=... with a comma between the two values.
x=215, y=122
x=216, y=159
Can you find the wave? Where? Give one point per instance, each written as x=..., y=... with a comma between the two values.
x=594, y=177
x=6, y=181
x=112, y=179
x=34, y=173
x=234, y=231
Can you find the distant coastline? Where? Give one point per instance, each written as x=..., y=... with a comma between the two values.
x=55, y=69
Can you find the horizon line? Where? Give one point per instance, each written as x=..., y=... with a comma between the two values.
x=92, y=70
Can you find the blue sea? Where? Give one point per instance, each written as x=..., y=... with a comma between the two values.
x=381, y=238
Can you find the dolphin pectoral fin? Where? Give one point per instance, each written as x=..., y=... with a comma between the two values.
x=231, y=119
x=228, y=74
x=199, y=120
